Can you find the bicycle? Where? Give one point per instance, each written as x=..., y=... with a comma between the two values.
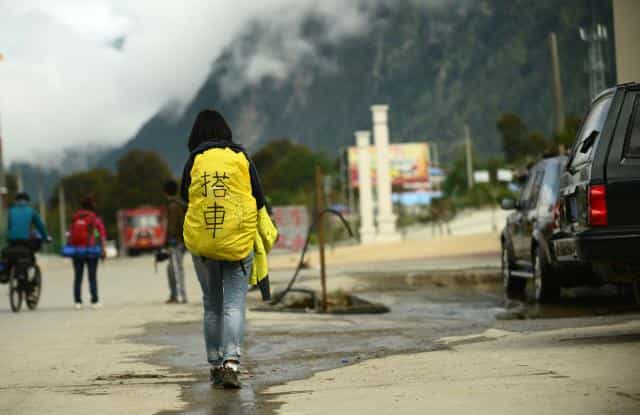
x=23, y=275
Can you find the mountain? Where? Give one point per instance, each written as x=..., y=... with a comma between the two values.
x=36, y=177
x=437, y=64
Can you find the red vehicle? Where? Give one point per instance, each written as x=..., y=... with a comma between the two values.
x=141, y=229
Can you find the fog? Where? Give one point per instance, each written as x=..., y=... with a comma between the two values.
x=78, y=72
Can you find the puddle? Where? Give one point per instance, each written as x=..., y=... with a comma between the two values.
x=279, y=350
x=578, y=302
x=284, y=351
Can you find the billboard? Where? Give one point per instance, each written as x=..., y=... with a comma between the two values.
x=408, y=165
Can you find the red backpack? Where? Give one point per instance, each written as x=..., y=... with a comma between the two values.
x=82, y=228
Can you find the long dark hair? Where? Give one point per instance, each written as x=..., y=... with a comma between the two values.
x=209, y=126
x=88, y=203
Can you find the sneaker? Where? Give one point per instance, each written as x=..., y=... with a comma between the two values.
x=77, y=306
x=171, y=301
x=229, y=378
x=215, y=376
x=232, y=364
x=96, y=306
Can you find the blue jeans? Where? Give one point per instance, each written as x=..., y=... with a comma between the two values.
x=224, y=294
x=78, y=268
x=175, y=273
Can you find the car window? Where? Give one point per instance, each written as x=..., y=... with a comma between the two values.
x=594, y=122
x=526, y=190
x=535, y=189
x=531, y=189
x=550, y=187
x=143, y=221
x=632, y=144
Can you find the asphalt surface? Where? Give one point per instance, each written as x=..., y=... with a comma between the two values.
x=138, y=355
x=427, y=302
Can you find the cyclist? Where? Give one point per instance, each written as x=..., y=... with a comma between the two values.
x=22, y=220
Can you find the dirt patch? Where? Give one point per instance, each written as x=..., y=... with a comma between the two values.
x=338, y=302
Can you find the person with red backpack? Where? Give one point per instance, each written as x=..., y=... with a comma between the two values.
x=87, y=234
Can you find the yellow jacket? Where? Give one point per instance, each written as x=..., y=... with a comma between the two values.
x=266, y=236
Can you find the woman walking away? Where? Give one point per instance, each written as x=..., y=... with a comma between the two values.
x=87, y=234
x=225, y=212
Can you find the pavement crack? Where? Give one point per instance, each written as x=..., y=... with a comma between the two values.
x=127, y=376
x=632, y=396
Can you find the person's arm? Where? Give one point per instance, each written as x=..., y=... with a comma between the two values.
x=99, y=225
x=101, y=229
x=42, y=230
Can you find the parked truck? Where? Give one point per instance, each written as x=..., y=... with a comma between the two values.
x=141, y=229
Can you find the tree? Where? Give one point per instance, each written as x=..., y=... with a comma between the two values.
x=536, y=145
x=456, y=181
x=287, y=170
x=140, y=177
x=12, y=186
x=517, y=143
x=568, y=135
x=139, y=181
x=513, y=132
x=98, y=184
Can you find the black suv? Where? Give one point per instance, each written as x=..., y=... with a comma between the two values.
x=526, y=252
x=599, y=201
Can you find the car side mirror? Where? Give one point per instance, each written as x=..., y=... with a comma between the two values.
x=508, y=204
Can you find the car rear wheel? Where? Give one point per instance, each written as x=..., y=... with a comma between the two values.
x=545, y=285
x=513, y=286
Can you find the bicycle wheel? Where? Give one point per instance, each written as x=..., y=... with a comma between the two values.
x=15, y=291
x=34, y=286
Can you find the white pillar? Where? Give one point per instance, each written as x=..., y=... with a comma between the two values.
x=386, y=218
x=367, y=229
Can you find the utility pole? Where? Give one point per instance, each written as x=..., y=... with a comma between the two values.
x=350, y=198
x=19, y=181
x=62, y=211
x=595, y=67
x=558, y=99
x=469, y=155
x=435, y=160
x=41, y=203
x=320, y=228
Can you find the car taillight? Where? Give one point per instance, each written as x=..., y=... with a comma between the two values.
x=598, y=205
x=555, y=220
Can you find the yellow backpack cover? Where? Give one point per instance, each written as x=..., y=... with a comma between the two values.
x=221, y=219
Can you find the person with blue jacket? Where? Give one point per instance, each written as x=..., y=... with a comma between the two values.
x=22, y=219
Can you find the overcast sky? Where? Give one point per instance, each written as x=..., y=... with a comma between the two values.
x=92, y=71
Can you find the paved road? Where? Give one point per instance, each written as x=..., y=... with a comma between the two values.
x=138, y=355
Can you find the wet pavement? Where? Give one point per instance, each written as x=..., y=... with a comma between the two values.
x=279, y=350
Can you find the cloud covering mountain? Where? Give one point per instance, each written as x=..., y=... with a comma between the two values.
x=92, y=71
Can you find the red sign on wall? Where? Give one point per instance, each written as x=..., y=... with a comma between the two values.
x=293, y=224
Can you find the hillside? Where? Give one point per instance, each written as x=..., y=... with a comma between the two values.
x=435, y=66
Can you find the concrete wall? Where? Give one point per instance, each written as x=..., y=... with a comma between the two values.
x=626, y=22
